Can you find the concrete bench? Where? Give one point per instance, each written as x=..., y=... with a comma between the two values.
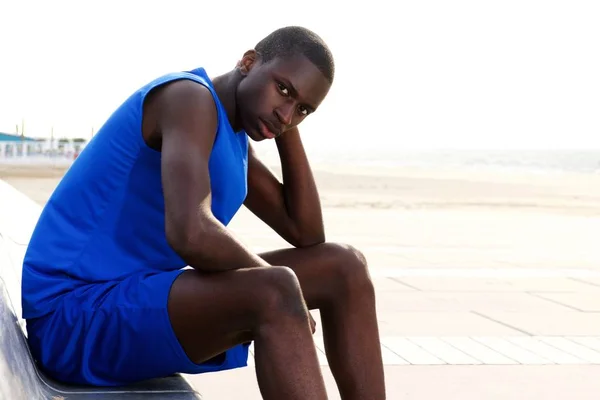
x=19, y=376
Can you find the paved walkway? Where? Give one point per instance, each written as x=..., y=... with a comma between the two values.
x=460, y=382
x=453, y=336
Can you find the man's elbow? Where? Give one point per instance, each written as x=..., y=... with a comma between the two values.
x=185, y=240
x=181, y=243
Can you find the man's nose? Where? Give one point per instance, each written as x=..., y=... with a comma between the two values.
x=285, y=112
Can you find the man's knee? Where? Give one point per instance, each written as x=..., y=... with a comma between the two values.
x=279, y=294
x=352, y=268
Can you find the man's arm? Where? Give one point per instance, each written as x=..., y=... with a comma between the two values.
x=187, y=121
x=292, y=208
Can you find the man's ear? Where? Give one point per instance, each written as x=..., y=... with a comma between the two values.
x=248, y=61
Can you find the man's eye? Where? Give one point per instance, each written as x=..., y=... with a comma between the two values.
x=283, y=89
x=303, y=110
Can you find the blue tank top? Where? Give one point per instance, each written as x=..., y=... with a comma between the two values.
x=105, y=220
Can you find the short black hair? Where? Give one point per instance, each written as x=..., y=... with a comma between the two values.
x=292, y=40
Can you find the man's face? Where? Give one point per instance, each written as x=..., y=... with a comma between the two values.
x=276, y=96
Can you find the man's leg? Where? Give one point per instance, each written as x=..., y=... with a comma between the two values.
x=335, y=279
x=211, y=313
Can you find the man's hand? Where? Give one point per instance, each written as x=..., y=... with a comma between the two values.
x=292, y=207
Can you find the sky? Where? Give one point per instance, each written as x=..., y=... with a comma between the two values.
x=409, y=74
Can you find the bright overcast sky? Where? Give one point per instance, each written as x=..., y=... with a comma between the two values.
x=410, y=74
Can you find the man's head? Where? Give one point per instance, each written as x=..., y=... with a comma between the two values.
x=285, y=78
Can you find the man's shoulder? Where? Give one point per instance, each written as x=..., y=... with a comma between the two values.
x=196, y=76
x=180, y=97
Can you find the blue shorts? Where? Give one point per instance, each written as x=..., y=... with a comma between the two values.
x=116, y=333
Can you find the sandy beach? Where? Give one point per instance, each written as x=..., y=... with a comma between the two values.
x=391, y=188
x=430, y=216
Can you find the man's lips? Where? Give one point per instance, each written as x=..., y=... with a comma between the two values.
x=267, y=130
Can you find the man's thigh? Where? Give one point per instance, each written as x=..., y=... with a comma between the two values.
x=212, y=312
x=114, y=334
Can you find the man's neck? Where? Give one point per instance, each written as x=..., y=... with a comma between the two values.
x=226, y=87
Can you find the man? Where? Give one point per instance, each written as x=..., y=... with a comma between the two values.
x=105, y=293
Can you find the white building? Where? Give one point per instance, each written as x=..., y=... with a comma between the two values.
x=13, y=147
